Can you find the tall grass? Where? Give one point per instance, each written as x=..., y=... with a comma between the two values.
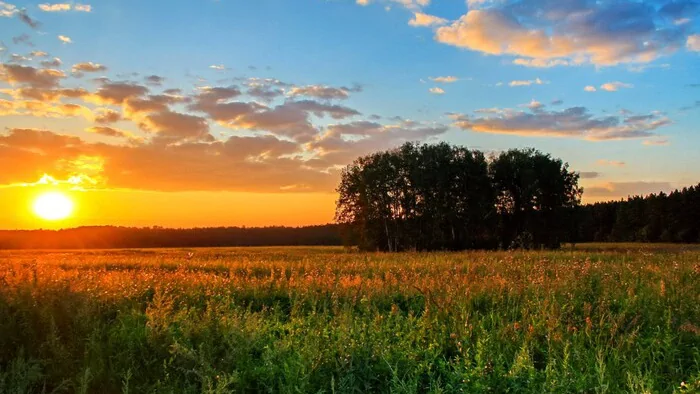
x=308, y=320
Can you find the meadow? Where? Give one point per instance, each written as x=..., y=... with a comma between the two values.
x=590, y=319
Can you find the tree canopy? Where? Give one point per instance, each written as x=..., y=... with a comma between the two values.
x=432, y=197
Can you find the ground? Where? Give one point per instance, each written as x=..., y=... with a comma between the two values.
x=590, y=318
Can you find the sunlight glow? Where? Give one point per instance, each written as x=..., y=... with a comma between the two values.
x=53, y=206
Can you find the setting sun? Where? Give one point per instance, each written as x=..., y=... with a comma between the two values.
x=53, y=206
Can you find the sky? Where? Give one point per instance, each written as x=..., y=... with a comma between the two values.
x=243, y=113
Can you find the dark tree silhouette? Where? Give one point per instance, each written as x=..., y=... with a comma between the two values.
x=535, y=197
x=431, y=197
x=418, y=197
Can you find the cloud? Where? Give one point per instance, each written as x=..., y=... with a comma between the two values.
x=362, y=2
x=535, y=105
x=108, y=131
x=424, y=20
x=693, y=43
x=541, y=63
x=545, y=33
x=436, y=90
x=341, y=143
x=23, y=39
x=659, y=142
x=613, y=163
x=37, y=78
x=322, y=92
x=88, y=67
x=118, y=92
x=219, y=67
x=446, y=79
x=106, y=116
x=615, y=86
x=83, y=7
x=65, y=39
x=590, y=88
x=58, y=7
x=575, y=122
x=27, y=20
x=626, y=189
x=536, y=81
x=174, y=127
x=588, y=174
x=154, y=80
x=248, y=164
x=8, y=10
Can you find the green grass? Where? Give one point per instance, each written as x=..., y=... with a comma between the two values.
x=593, y=319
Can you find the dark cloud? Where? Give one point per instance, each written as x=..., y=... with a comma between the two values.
x=23, y=39
x=24, y=17
x=154, y=80
x=37, y=78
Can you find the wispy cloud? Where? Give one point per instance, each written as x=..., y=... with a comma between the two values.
x=65, y=39
x=613, y=163
x=445, y=79
x=436, y=90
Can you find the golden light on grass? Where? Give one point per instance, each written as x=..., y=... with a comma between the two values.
x=53, y=206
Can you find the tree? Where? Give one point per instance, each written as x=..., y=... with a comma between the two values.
x=536, y=195
x=419, y=197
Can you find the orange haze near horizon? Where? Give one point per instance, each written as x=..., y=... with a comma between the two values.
x=168, y=209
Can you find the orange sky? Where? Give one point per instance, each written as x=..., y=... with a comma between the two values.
x=175, y=209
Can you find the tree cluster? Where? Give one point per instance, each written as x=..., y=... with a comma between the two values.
x=443, y=197
x=673, y=217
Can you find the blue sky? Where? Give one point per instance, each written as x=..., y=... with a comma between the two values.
x=343, y=78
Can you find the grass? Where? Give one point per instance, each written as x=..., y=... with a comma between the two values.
x=592, y=319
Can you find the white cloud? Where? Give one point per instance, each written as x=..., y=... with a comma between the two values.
x=535, y=81
x=615, y=86
x=58, y=7
x=218, y=67
x=436, y=90
x=63, y=7
x=421, y=19
x=446, y=79
x=65, y=39
x=590, y=88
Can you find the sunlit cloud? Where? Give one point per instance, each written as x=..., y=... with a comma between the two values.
x=693, y=43
x=436, y=90
x=425, y=20
x=445, y=79
x=568, y=33
x=65, y=39
x=535, y=81
x=615, y=86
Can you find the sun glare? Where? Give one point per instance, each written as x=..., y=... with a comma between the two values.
x=53, y=206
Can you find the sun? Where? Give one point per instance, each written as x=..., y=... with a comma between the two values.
x=53, y=206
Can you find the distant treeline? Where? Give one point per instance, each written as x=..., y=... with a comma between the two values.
x=158, y=237
x=673, y=217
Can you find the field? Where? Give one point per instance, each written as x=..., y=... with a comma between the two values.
x=590, y=319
